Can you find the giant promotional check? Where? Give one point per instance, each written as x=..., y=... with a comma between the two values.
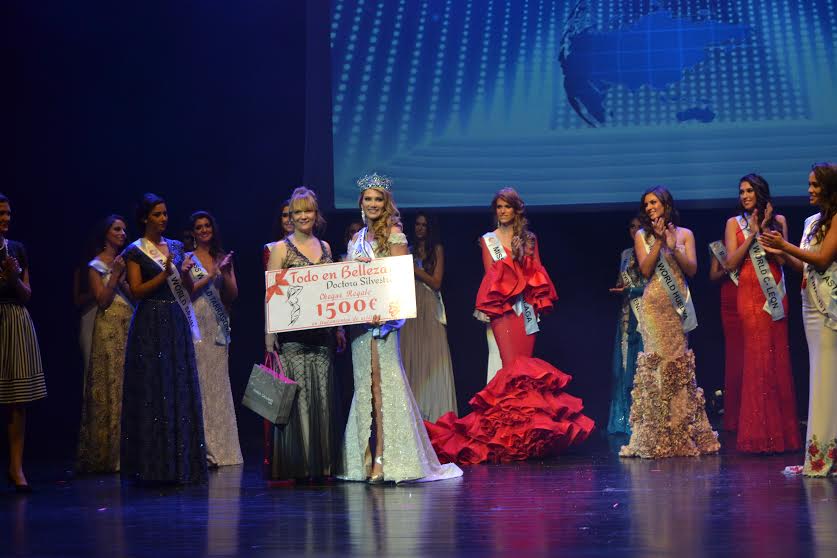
x=339, y=294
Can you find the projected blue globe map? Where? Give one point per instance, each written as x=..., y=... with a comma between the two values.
x=580, y=102
x=655, y=50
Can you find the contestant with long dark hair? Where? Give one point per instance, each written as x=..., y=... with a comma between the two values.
x=214, y=290
x=101, y=411
x=21, y=372
x=630, y=284
x=668, y=415
x=307, y=447
x=283, y=226
x=523, y=412
x=162, y=421
x=767, y=421
x=816, y=257
x=385, y=436
x=424, y=340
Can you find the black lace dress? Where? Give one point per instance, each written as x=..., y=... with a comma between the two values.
x=306, y=447
x=162, y=420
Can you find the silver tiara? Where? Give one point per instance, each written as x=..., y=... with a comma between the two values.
x=374, y=180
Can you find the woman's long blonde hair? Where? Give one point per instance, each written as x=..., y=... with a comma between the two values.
x=390, y=217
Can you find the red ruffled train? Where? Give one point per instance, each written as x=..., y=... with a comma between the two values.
x=522, y=413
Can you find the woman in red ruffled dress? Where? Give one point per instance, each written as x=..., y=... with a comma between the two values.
x=523, y=411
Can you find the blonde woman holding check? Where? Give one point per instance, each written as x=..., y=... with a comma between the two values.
x=386, y=440
x=162, y=418
x=306, y=447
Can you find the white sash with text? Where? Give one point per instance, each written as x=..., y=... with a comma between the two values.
x=521, y=307
x=175, y=284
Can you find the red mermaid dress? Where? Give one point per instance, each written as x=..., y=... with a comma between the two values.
x=523, y=412
x=767, y=420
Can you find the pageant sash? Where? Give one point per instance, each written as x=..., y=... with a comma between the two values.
x=106, y=271
x=222, y=337
x=720, y=252
x=627, y=281
x=441, y=315
x=175, y=284
x=520, y=306
x=773, y=293
x=683, y=305
x=822, y=287
x=362, y=248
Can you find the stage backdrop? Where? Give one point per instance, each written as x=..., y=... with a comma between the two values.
x=579, y=102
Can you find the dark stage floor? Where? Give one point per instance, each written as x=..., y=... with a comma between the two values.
x=577, y=505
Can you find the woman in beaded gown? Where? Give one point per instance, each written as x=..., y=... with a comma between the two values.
x=162, y=419
x=767, y=420
x=816, y=258
x=214, y=290
x=385, y=440
x=628, y=343
x=307, y=447
x=668, y=415
x=524, y=411
x=21, y=371
x=101, y=410
x=424, y=340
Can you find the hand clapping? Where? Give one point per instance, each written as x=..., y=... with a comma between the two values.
x=772, y=242
x=11, y=269
x=118, y=266
x=768, y=215
x=226, y=264
x=188, y=264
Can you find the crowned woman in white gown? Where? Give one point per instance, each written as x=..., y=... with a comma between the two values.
x=386, y=440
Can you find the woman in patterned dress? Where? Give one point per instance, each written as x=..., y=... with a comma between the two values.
x=386, y=440
x=21, y=372
x=816, y=257
x=214, y=290
x=306, y=447
x=668, y=416
x=101, y=411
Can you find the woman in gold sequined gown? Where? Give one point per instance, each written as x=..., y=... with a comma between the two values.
x=101, y=409
x=386, y=440
x=668, y=417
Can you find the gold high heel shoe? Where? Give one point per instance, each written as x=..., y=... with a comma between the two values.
x=379, y=478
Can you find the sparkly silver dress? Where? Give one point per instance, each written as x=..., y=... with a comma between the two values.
x=220, y=427
x=408, y=454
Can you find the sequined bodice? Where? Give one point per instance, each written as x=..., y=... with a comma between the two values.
x=295, y=258
x=150, y=269
x=662, y=329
